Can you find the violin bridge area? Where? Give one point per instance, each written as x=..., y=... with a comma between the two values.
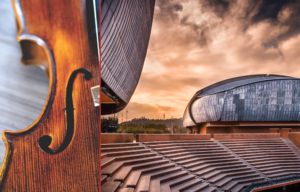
x=204, y=165
x=23, y=89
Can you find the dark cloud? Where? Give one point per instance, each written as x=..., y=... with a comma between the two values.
x=168, y=11
x=218, y=7
x=278, y=13
x=178, y=7
x=292, y=21
x=200, y=31
x=269, y=9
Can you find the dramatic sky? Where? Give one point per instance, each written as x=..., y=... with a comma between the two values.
x=195, y=43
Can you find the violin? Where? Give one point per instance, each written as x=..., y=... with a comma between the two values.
x=60, y=150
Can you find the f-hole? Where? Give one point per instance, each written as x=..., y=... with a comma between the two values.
x=46, y=140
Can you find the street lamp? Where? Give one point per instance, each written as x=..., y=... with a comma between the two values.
x=126, y=119
x=172, y=126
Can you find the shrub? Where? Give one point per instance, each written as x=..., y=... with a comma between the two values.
x=182, y=130
x=152, y=130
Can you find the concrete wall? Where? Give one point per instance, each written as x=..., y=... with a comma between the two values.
x=236, y=129
x=273, y=130
x=247, y=136
x=295, y=137
x=189, y=137
x=216, y=130
x=285, y=132
x=255, y=129
x=116, y=138
x=169, y=137
x=295, y=129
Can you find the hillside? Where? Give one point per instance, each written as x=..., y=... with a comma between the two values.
x=168, y=122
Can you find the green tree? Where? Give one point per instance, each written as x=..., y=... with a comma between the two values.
x=182, y=130
x=153, y=130
x=121, y=128
x=134, y=129
x=130, y=128
x=162, y=127
x=150, y=125
x=149, y=128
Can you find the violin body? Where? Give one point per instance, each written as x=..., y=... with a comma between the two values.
x=60, y=150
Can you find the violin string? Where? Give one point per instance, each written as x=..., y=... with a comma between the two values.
x=96, y=28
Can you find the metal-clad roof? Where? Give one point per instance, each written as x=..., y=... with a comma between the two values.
x=277, y=100
x=250, y=98
x=238, y=81
x=125, y=34
x=208, y=108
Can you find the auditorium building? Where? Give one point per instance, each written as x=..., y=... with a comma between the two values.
x=247, y=104
x=125, y=33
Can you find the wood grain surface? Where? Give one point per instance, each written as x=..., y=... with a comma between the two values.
x=23, y=89
x=60, y=28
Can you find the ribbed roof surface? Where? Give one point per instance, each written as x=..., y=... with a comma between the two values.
x=248, y=98
x=125, y=33
x=238, y=81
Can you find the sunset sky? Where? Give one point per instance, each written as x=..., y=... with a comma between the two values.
x=195, y=43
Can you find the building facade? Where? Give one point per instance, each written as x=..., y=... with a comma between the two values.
x=125, y=33
x=250, y=104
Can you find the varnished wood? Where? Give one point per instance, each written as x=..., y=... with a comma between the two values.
x=59, y=29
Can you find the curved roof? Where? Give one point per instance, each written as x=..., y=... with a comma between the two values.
x=247, y=98
x=238, y=81
x=125, y=33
